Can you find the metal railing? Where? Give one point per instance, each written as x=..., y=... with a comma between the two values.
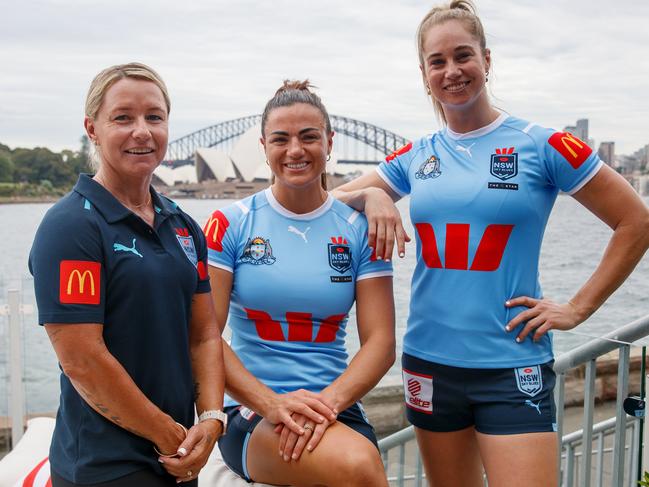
x=576, y=454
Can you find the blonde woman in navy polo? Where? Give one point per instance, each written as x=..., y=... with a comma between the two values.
x=123, y=291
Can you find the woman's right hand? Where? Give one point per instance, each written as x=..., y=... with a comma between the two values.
x=309, y=404
x=384, y=224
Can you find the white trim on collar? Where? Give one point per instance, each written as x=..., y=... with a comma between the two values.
x=275, y=205
x=478, y=132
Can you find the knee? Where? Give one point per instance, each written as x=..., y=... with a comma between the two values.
x=362, y=467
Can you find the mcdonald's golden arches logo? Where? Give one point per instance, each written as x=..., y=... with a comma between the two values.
x=80, y=282
x=574, y=150
x=214, y=230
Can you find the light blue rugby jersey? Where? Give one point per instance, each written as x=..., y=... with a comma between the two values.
x=294, y=283
x=479, y=203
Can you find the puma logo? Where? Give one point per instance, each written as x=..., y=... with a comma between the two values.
x=537, y=406
x=461, y=148
x=294, y=230
x=118, y=247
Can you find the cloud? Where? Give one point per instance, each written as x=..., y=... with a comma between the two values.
x=554, y=62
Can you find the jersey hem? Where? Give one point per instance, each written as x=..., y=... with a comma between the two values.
x=220, y=266
x=586, y=179
x=371, y=275
x=387, y=181
x=483, y=364
x=70, y=318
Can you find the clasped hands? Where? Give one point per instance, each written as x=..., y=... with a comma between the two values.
x=192, y=451
x=302, y=417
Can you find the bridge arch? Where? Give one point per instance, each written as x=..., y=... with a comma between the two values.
x=373, y=136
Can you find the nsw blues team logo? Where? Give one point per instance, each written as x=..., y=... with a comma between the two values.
x=257, y=251
x=504, y=163
x=340, y=255
x=187, y=244
x=529, y=380
x=429, y=169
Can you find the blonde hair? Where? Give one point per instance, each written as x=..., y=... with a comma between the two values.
x=291, y=93
x=107, y=78
x=461, y=10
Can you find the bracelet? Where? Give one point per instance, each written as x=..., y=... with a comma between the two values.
x=169, y=455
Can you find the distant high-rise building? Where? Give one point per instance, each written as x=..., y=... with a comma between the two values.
x=606, y=153
x=580, y=130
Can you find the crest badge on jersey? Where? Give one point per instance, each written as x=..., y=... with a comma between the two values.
x=504, y=164
x=418, y=390
x=429, y=169
x=529, y=380
x=340, y=255
x=187, y=244
x=257, y=251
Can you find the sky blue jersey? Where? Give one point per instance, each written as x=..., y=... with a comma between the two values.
x=294, y=284
x=479, y=203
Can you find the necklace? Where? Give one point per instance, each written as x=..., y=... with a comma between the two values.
x=135, y=208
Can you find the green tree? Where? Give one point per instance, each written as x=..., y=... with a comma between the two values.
x=6, y=169
x=34, y=165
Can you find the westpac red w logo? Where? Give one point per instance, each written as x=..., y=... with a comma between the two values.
x=300, y=327
x=487, y=258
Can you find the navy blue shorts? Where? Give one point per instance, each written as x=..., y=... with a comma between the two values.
x=242, y=421
x=495, y=401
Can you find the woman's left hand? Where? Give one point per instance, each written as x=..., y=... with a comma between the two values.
x=543, y=315
x=291, y=445
x=194, y=451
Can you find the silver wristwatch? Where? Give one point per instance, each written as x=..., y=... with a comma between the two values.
x=215, y=414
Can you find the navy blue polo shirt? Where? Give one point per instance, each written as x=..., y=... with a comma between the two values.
x=94, y=261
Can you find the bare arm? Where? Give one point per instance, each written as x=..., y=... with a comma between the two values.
x=245, y=388
x=612, y=200
x=107, y=387
x=372, y=196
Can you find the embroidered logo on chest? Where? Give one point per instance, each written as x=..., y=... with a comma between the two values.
x=429, y=169
x=257, y=251
x=187, y=244
x=340, y=255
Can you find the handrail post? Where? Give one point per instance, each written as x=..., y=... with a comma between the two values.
x=16, y=404
x=620, y=415
x=587, y=440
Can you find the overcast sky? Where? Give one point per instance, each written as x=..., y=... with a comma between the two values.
x=553, y=61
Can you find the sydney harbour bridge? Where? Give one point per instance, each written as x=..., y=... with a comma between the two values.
x=355, y=142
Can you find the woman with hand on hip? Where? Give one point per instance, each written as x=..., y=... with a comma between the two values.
x=122, y=288
x=477, y=362
x=288, y=263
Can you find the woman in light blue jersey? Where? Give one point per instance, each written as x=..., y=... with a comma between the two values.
x=477, y=362
x=287, y=265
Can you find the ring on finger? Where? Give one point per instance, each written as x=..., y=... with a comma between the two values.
x=308, y=427
x=189, y=473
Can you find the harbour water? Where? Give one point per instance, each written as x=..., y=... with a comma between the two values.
x=573, y=244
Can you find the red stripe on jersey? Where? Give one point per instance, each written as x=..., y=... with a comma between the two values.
x=428, y=245
x=491, y=248
x=456, y=254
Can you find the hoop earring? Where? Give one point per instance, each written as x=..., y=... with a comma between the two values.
x=428, y=89
x=486, y=77
x=328, y=157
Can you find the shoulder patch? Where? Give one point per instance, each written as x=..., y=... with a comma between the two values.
x=79, y=282
x=399, y=152
x=573, y=150
x=214, y=230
